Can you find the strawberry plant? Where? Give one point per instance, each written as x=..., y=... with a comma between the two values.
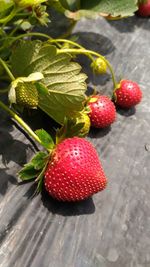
x=40, y=72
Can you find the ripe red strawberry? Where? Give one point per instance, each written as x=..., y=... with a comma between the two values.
x=102, y=111
x=144, y=9
x=74, y=171
x=128, y=94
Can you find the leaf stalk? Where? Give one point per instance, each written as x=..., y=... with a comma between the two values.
x=89, y=53
x=20, y=121
x=3, y=63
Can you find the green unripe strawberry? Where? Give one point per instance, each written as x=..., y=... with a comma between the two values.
x=84, y=118
x=23, y=90
x=99, y=66
x=27, y=95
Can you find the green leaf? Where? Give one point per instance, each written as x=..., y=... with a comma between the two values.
x=28, y=172
x=39, y=160
x=71, y=4
x=59, y=104
x=45, y=138
x=22, y=56
x=63, y=88
x=115, y=8
x=57, y=5
x=70, y=128
x=5, y=5
x=40, y=178
x=65, y=4
x=40, y=182
x=31, y=169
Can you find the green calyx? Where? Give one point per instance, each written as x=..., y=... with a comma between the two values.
x=78, y=124
x=99, y=66
x=35, y=169
x=92, y=99
x=114, y=96
x=83, y=118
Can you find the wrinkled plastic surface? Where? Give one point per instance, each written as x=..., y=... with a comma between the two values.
x=112, y=229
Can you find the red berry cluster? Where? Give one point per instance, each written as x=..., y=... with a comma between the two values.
x=102, y=110
x=74, y=171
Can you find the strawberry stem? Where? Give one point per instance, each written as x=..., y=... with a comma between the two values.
x=3, y=63
x=5, y=20
x=16, y=28
x=21, y=122
x=89, y=53
x=30, y=34
x=3, y=91
x=60, y=40
x=21, y=36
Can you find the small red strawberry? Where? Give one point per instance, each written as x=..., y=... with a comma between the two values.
x=74, y=171
x=127, y=94
x=102, y=111
x=144, y=8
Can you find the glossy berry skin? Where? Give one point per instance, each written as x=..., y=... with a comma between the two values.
x=74, y=172
x=128, y=94
x=144, y=9
x=102, y=111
